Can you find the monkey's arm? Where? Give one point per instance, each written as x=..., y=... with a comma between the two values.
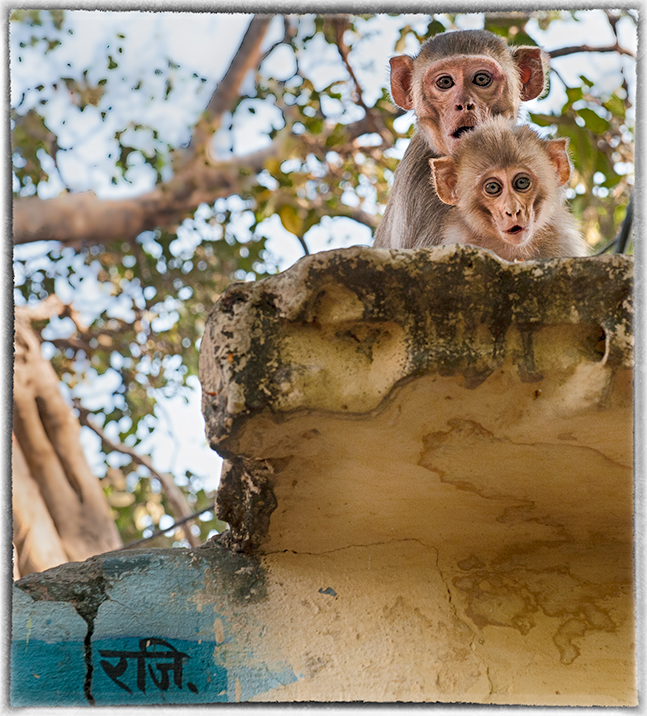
x=414, y=214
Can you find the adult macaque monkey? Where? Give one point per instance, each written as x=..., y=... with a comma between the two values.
x=506, y=184
x=457, y=80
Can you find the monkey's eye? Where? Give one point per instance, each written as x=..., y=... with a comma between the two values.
x=493, y=187
x=521, y=182
x=482, y=79
x=444, y=82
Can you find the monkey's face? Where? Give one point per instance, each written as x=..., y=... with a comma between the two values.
x=456, y=94
x=505, y=181
x=510, y=199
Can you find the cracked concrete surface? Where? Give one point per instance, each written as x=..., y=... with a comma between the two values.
x=390, y=633
x=448, y=440
x=429, y=489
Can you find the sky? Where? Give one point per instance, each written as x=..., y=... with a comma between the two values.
x=205, y=44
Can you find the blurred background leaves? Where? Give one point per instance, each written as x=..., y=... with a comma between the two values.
x=305, y=156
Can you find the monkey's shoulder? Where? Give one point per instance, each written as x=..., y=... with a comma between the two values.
x=414, y=213
x=455, y=230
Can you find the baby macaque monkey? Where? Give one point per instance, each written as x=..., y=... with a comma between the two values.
x=506, y=185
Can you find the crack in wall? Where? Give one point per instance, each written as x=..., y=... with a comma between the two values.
x=89, y=667
x=83, y=586
x=350, y=546
x=458, y=425
x=489, y=680
x=451, y=602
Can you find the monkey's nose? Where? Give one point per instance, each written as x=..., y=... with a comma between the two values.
x=468, y=106
x=513, y=213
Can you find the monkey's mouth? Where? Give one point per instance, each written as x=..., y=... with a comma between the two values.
x=516, y=235
x=461, y=130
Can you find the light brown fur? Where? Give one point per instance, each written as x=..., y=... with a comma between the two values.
x=506, y=185
x=414, y=213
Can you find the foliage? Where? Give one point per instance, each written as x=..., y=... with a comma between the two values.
x=339, y=146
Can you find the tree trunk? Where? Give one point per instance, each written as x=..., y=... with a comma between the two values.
x=49, y=462
x=37, y=545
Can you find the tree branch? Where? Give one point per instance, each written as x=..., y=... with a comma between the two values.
x=48, y=434
x=84, y=219
x=37, y=542
x=43, y=310
x=367, y=126
x=228, y=89
x=370, y=220
x=77, y=219
x=174, y=526
x=304, y=246
x=374, y=122
x=562, y=51
x=74, y=343
x=288, y=33
x=613, y=19
x=175, y=497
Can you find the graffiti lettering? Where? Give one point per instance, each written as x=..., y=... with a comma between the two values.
x=167, y=660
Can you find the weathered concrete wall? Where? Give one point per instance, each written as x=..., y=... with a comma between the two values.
x=429, y=493
x=89, y=633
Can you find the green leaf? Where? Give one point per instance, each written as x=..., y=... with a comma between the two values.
x=612, y=180
x=501, y=24
x=522, y=38
x=30, y=134
x=574, y=94
x=29, y=17
x=615, y=105
x=57, y=18
x=602, y=164
x=543, y=120
x=314, y=125
x=434, y=27
x=593, y=121
x=582, y=150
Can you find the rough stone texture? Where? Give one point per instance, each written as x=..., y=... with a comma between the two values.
x=429, y=487
x=452, y=435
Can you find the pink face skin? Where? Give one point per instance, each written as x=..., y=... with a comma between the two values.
x=460, y=92
x=508, y=194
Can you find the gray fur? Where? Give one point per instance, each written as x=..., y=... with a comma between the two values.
x=414, y=214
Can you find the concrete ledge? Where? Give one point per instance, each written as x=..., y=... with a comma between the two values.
x=352, y=342
x=341, y=328
x=429, y=491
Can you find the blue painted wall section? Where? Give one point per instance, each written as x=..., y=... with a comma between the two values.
x=47, y=653
x=142, y=627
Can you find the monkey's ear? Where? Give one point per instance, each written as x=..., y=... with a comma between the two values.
x=557, y=150
x=532, y=64
x=401, y=73
x=443, y=177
